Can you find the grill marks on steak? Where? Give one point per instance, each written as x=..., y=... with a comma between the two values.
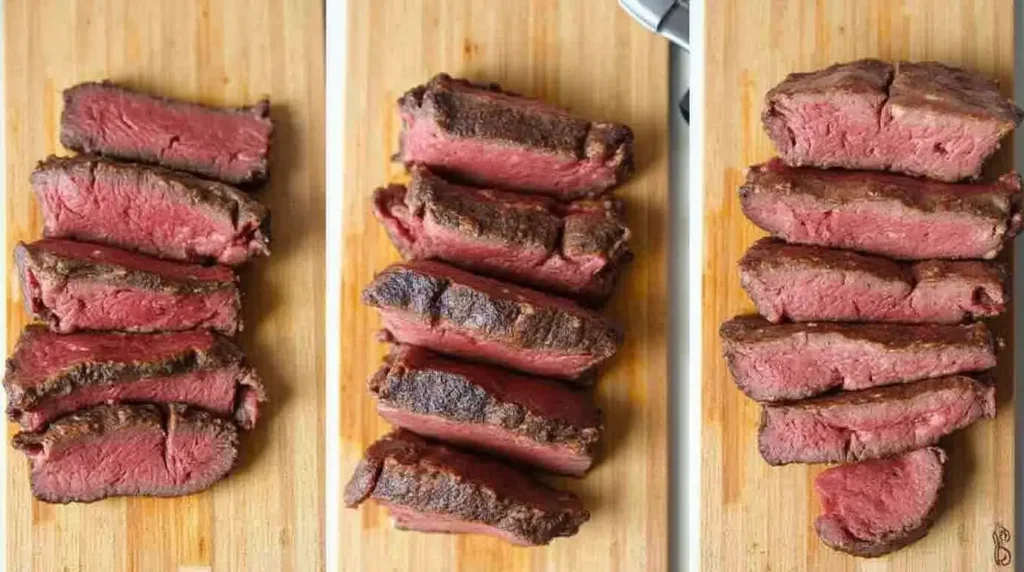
x=446, y=309
x=232, y=145
x=879, y=506
x=431, y=487
x=50, y=375
x=922, y=119
x=574, y=249
x=150, y=210
x=897, y=216
x=129, y=450
x=872, y=423
x=534, y=421
x=793, y=361
x=811, y=283
x=79, y=286
x=486, y=136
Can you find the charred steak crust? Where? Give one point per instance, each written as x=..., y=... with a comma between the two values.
x=77, y=138
x=434, y=291
x=403, y=469
x=104, y=420
x=222, y=353
x=251, y=218
x=431, y=390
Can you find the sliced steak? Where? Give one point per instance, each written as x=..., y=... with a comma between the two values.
x=876, y=507
x=872, y=423
x=483, y=135
x=898, y=216
x=429, y=304
x=232, y=145
x=431, y=487
x=811, y=283
x=530, y=420
x=50, y=375
x=129, y=450
x=80, y=286
x=922, y=119
x=574, y=249
x=784, y=362
x=151, y=210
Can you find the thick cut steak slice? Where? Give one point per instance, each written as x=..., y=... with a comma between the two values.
x=150, y=210
x=530, y=420
x=449, y=310
x=129, y=450
x=486, y=136
x=876, y=507
x=922, y=119
x=894, y=215
x=50, y=375
x=872, y=423
x=80, y=286
x=232, y=145
x=573, y=249
x=431, y=487
x=812, y=283
x=782, y=362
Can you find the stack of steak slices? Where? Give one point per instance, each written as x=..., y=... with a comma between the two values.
x=868, y=349
x=131, y=385
x=511, y=240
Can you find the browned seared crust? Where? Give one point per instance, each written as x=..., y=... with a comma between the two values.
x=946, y=90
x=860, y=76
x=406, y=470
x=898, y=392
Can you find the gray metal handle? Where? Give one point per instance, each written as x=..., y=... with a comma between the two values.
x=670, y=18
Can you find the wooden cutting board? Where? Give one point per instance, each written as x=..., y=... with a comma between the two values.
x=592, y=58
x=268, y=515
x=755, y=517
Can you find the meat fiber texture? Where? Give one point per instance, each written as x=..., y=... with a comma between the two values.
x=922, y=119
x=129, y=450
x=431, y=487
x=443, y=308
x=534, y=421
x=893, y=215
x=876, y=507
x=50, y=375
x=80, y=286
x=872, y=423
x=811, y=283
x=785, y=362
x=232, y=145
x=482, y=135
x=150, y=210
x=572, y=249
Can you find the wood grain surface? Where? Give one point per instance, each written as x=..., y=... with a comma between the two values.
x=755, y=517
x=268, y=515
x=587, y=56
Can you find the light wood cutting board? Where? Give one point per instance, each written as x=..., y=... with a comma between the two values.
x=268, y=515
x=592, y=58
x=755, y=517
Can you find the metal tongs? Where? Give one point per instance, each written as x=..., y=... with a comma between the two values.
x=670, y=18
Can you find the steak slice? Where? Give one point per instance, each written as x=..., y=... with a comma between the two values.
x=480, y=134
x=573, y=249
x=232, y=145
x=811, y=283
x=150, y=210
x=894, y=215
x=530, y=420
x=50, y=375
x=80, y=286
x=879, y=506
x=872, y=423
x=129, y=450
x=922, y=119
x=429, y=304
x=793, y=361
x=431, y=487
